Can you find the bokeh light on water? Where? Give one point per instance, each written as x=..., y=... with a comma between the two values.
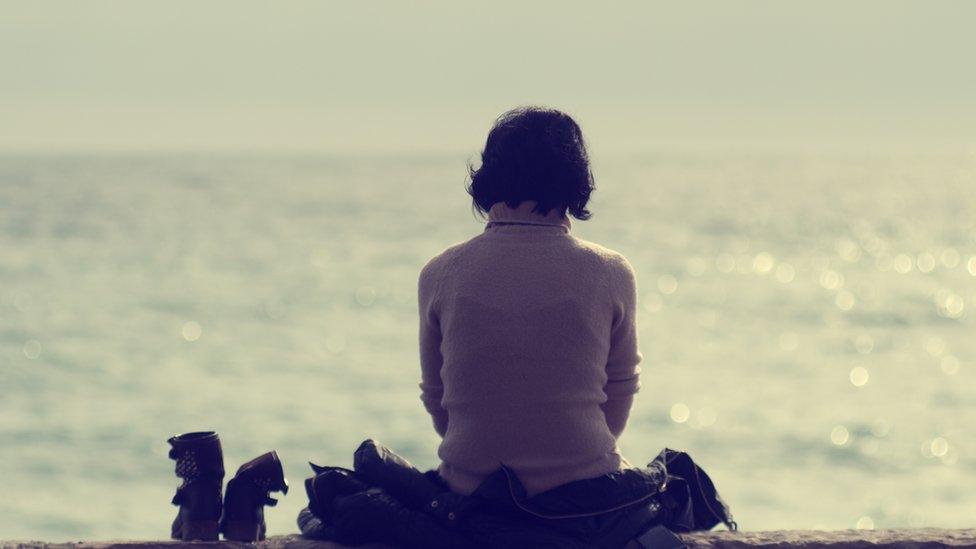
x=806, y=323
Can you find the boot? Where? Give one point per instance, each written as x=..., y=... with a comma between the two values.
x=247, y=494
x=200, y=463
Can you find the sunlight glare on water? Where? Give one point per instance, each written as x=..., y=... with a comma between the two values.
x=806, y=323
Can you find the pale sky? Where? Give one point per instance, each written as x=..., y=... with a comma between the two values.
x=400, y=76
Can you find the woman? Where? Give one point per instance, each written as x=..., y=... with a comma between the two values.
x=528, y=336
x=528, y=348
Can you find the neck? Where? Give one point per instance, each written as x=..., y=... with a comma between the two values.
x=524, y=214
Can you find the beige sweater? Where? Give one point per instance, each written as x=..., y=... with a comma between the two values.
x=528, y=352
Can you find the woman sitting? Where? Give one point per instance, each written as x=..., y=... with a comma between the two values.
x=528, y=336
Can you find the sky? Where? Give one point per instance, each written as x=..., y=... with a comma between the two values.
x=393, y=76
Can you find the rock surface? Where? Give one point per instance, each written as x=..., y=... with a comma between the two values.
x=805, y=539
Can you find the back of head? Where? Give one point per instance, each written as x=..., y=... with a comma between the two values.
x=534, y=153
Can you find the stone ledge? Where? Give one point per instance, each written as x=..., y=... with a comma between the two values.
x=816, y=539
x=923, y=538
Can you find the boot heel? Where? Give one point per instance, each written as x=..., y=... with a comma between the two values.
x=239, y=530
x=200, y=530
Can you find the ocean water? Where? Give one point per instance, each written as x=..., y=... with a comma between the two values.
x=807, y=323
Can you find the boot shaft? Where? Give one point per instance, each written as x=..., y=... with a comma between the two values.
x=197, y=455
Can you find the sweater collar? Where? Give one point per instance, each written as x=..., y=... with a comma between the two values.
x=502, y=214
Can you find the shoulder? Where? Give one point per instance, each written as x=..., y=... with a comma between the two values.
x=614, y=268
x=612, y=261
x=432, y=269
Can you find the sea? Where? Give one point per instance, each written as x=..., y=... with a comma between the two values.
x=806, y=320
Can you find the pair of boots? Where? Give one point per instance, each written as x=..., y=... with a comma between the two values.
x=204, y=511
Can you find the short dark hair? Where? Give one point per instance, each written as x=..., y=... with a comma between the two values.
x=534, y=153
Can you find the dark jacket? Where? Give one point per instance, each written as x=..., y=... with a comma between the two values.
x=385, y=499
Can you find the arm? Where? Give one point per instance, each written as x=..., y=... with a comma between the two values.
x=431, y=387
x=623, y=372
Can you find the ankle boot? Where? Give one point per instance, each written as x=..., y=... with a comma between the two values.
x=200, y=463
x=247, y=494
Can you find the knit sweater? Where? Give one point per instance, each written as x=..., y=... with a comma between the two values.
x=528, y=352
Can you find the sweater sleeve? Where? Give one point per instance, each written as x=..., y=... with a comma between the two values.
x=431, y=387
x=622, y=369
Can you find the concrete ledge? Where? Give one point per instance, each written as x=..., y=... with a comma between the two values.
x=815, y=539
x=807, y=539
